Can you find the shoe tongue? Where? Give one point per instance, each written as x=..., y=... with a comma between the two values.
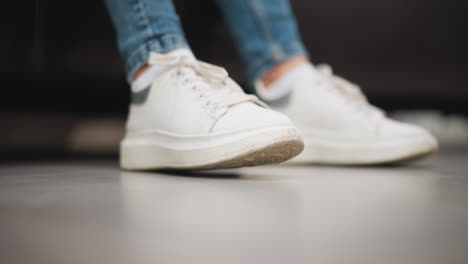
x=156, y=70
x=189, y=71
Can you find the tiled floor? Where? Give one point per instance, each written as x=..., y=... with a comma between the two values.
x=91, y=212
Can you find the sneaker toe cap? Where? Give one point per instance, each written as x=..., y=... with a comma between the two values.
x=395, y=129
x=250, y=116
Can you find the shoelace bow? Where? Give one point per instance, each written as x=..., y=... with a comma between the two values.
x=347, y=88
x=221, y=93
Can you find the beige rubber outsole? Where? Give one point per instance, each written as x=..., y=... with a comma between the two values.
x=271, y=154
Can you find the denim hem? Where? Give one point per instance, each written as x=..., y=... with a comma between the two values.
x=161, y=45
x=274, y=56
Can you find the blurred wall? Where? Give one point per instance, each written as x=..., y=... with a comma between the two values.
x=405, y=53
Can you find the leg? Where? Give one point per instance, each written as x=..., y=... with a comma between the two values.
x=265, y=32
x=145, y=26
x=186, y=114
x=338, y=123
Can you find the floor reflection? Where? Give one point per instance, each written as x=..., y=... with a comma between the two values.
x=283, y=214
x=173, y=218
x=92, y=212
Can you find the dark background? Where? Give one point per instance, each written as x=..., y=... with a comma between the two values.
x=58, y=59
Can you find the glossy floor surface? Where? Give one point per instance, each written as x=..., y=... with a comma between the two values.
x=92, y=212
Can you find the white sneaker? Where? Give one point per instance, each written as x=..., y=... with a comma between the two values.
x=194, y=116
x=339, y=126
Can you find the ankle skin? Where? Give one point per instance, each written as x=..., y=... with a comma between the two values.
x=280, y=69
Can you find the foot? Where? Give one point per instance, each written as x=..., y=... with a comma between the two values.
x=193, y=116
x=338, y=124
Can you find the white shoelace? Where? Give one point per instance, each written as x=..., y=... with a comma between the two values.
x=212, y=82
x=350, y=90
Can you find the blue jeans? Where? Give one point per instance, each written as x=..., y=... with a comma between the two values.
x=265, y=31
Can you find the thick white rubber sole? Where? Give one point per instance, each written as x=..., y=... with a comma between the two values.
x=336, y=152
x=159, y=150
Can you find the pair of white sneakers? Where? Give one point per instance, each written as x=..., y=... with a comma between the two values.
x=193, y=116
